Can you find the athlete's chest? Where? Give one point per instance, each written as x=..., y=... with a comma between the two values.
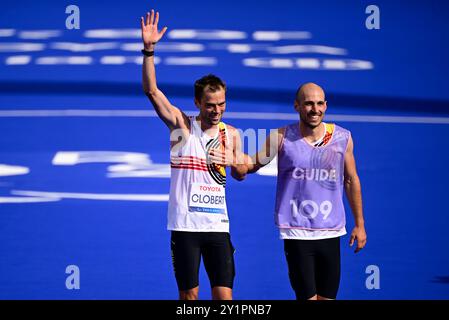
x=300, y=154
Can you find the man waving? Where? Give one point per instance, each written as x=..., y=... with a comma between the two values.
x=201, y=148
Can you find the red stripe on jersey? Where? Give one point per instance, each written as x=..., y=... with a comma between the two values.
x=189, y=167
x=188, y=159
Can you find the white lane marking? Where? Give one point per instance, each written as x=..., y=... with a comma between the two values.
x=113, y=60
x=21, y=47
x=191, y=61
x=127, y=164
x=113, y=33
x=70, y=158
x=64, y=60
x=281, y=63
x=92, y=196
x=18, y=60
x=307, y=49
x=239, y=48
x=388, y=119
x=83, y=47
x=228, y=115
x=8, y=170
x=78, y=113
x=7, y=32
x=39, y=34
x=132, y=171
x=119, y=60
x=206, y=34
x=308, y=63
x=27, y=199
x=281, y=35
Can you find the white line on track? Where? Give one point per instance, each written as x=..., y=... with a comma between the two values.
x=228, y=115
x=90, y=196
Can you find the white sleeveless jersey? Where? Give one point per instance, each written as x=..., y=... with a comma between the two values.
x=197, y=189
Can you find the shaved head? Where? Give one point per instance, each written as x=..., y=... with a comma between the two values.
x=311, y=104
x=308, y=88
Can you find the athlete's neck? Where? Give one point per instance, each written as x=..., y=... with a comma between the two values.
x=209, y=129
x=312, y=134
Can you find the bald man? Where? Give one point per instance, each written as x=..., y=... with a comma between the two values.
x=315, y=163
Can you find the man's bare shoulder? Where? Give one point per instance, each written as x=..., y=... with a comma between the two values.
x=278, y=132
x=232, y=130
x=281, y=130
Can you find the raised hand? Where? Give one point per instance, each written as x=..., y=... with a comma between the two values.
x=150, y=33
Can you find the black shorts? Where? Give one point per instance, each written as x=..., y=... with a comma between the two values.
x=313, y=267
x=217, y=251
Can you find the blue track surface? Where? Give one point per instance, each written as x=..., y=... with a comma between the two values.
x=122, y=246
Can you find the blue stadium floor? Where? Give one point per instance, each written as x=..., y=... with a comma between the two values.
x=83, y=159
x=122, y=246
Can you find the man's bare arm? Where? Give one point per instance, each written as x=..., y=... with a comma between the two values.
x=269, y=151
x=238, y=168
x=244, y=164
x=354, y=193
x=169, y=114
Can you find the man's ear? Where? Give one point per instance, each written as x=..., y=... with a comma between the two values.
x=296, y=105
x=196, y=103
